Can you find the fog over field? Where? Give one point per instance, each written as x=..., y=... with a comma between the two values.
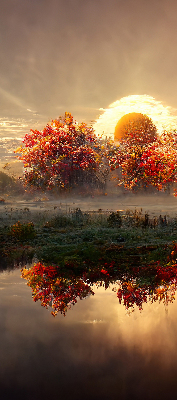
x=115, y=198
x=153, y=205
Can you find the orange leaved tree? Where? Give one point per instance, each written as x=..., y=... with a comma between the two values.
x=65, y=154
x=145, y=158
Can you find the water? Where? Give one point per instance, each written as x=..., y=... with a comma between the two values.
x=99, y=350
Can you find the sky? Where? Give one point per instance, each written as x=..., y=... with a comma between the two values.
x=81, y=56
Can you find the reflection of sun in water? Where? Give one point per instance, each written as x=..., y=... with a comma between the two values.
x=163, y=118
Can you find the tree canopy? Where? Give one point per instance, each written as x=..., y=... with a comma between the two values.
x=153, y=163
x=65, y=154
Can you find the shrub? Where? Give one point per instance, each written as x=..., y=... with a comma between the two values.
x=23, y=231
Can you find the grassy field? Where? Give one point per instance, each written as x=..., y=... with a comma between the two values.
x=125, y=228
x=58, y=235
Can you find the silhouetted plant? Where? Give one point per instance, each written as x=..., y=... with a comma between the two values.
x=115, y=219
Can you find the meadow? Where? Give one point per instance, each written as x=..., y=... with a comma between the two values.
x=73, y=231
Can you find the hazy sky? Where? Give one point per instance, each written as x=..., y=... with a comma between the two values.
x=79, y=56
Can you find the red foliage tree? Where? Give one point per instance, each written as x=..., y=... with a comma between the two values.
x=152, y=282
x=64, y=154
x=53, y=290
x=144, y=158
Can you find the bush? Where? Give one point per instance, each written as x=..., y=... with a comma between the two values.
x=23, y=231
x=9, y=184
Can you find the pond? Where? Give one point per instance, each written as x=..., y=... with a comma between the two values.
x=101, y=349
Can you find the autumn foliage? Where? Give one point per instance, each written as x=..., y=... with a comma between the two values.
x=144, y=157
x=59, y=290
x=54, y=289
x=66, y=155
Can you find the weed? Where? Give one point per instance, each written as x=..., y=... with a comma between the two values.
x=115, y=219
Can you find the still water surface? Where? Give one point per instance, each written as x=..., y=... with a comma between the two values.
x=97, y=351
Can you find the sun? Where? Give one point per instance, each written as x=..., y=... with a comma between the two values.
x=163, y=117
x=138, y=123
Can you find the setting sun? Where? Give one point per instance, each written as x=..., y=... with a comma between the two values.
x=163, y=117
x=139, y=123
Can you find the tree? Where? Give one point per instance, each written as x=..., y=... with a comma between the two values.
x=145, y=159
x=54, y=290
x=10, y=184
x=58, y=289
x=64, y=154
x=156, y=167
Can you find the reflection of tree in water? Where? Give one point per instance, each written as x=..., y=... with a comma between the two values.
x=135, y=286
x=54, y=289
x=130, y=294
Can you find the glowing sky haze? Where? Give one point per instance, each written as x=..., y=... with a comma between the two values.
x=80, y=56
x=161, y=116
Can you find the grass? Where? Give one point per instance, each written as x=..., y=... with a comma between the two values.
x=128, y=238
